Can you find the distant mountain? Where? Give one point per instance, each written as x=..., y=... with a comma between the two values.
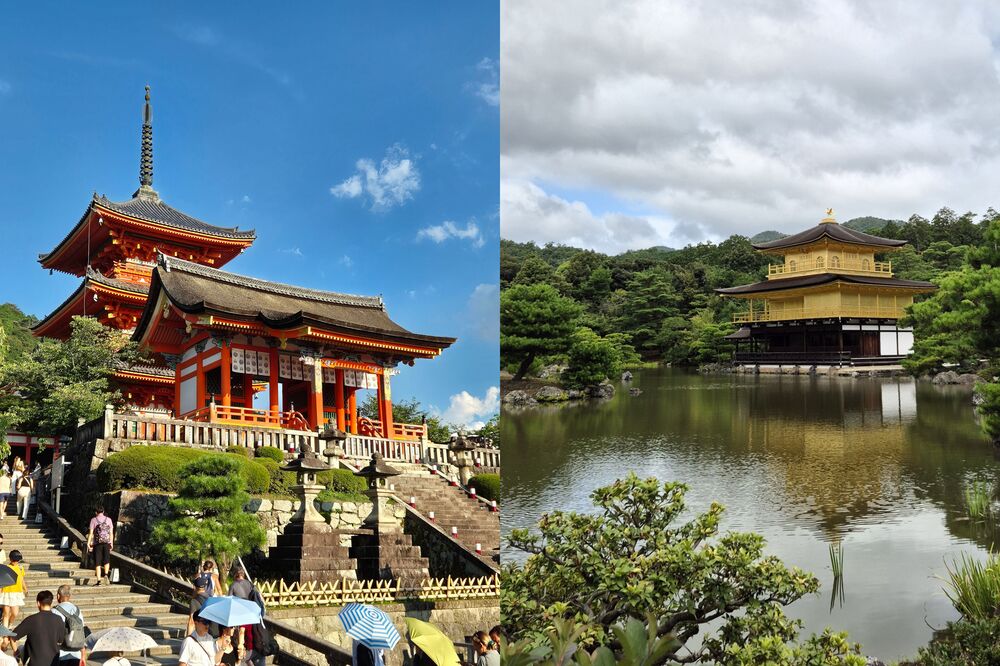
x=868, y=224
x=767, y=236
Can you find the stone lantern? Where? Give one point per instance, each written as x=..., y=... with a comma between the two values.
x=306, y=466
x=461, y=451
x=376, y=473
x=334, y=438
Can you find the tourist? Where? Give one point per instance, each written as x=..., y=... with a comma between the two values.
x=5, y=490
x=74, y=650
x=117, y=659
x=45, y=632
x=7, y=642
x=24, y=486
x=198, y=600
x=243, y=589
x=100, y=542
x=211, y=579
x=229, y=645
x=12, y=596
x=362, y=655
x=200, y=648
x=486, y=653
x=496, y=633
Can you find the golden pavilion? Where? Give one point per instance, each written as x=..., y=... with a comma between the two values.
x=831, y=300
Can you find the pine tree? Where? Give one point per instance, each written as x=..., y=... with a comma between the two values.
x=536, y=320
x=650, y=299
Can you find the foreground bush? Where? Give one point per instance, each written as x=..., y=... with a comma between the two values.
x=271, y=453
x=973, y=587
x=487, y=486
x=159, y=468
x=634, y=558
x=963, y=643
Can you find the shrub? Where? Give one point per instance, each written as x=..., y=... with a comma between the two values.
x=963, y=644
x=342, y=481
x=271, y=453
x=240, y=451
x=487, y=486
x=159, y=467
x=276, y=478
x=974, y=587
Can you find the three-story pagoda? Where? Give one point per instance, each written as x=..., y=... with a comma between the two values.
x=831, y=300
x=113, y=248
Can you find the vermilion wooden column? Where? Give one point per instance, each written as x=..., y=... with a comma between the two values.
x=200, y=372
x=338, y=399
x=385, y=403
x=352, y=409
x=177, y=390
x=317, y=396
x=272, y=387
x=227, y=382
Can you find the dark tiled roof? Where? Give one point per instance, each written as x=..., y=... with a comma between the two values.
x=133, y=287
x=823, y=278
x=144, y=369
x=198, y=289
x=833, y=232
x=154, y=210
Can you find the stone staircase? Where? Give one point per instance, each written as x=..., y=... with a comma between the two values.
x=115, y=605
x=476, y=523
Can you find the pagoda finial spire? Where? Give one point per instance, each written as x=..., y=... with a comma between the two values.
x=829, y=219
x=146, y=159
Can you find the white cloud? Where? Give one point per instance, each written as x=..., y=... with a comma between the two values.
x=442, y=232
x=487, y=85
x=346, y=261
x=483, y=311
x=246, y=199
x=293, y=250
x=391, y=183
x=750, y=116
x=471, y=411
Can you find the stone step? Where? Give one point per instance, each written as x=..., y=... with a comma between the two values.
x=123, y=610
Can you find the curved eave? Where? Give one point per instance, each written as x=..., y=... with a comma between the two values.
x=811, y=282
x=57, y=321
x=831, y=233
x=77, y=235
x=134, y=375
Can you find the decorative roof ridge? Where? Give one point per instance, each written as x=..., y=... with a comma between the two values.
x=101, y=278
x=143, y=368
x=173, y=263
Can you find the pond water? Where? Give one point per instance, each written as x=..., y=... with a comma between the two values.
x=878, y=464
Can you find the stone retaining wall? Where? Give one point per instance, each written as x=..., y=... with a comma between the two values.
x=458, y=619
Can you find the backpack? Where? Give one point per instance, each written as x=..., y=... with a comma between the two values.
x=263, y=641
x=75, y=634
x=102, y=531
x=205, y=580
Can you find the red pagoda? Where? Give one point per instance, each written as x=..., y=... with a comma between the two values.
x=114, y=248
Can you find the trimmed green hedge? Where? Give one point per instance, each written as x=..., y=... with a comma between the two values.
x=240, y=450
x=340, y=481
x=271, y=453
x=487, y=486
x=158, y=467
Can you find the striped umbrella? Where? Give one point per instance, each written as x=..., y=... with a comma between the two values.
x=369, y=626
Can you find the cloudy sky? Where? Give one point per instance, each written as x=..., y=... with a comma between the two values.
x=359, y=140
x=628, y=124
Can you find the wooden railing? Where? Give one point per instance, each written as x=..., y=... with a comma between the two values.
x=881, y=268
x=337, y=593
x=362, y=447
x=404, y=431
x=785, y=314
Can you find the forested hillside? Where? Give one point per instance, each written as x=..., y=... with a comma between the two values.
x=662, y=299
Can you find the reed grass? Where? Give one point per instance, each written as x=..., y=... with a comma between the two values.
x=973, y=587
x=979, y=500
x=837, y=559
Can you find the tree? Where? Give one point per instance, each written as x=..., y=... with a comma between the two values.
x=408, y=411
x=634, y=559
x=60, y=382
x=536, y=320
x=649, y=300
x=535, y=270
x=592, y=359
x=706, y=338
x=207, y=520
x=491, y=430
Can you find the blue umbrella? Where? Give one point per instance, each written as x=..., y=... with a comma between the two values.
x=370, y=626
x=230, y=611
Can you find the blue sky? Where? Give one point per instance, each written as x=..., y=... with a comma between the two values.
x=361, y=142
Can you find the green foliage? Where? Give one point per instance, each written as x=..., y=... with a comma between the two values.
x=206, y=518
x=59, y=382
x=408, y=411
x=634, y=557
x=592, y=359
x=487, y=486
x=989, y=408
x=491, y=430
x=973, y=587
x=536, y=320
x=244, y=451
x=160, y=468
x=979, y=500
x=837, y=559
x=650, y=298
x=271, y=452
x=964, y=643
x=640, y=646
x=19, y=340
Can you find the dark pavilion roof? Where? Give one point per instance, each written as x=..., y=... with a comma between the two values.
x=197, y=289
x=820, y=279
x=91, y=277
x=146, y=369
x=830, y=230
x=154, y=210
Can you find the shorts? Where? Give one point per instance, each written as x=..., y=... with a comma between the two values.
x=11, y=598
x=4, y=496
x=102, y=554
